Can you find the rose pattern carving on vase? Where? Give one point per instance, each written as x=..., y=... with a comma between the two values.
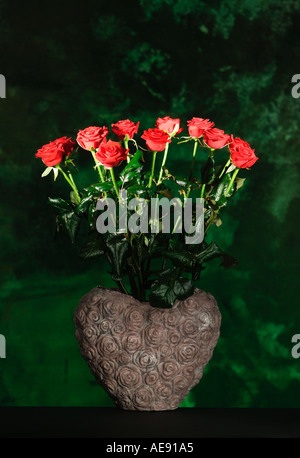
x=146, y=358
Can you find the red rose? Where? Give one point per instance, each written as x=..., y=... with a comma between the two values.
x=125, y=127
x=156, y=139
x=215, y=138
x=197, y=126
x=53, y=153
x=169, y=125
x=242, y=156
x=91, y=137
x=110, y=154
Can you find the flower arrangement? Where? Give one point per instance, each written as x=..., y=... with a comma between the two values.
x=154, y=264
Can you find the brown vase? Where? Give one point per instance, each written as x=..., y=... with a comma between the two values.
x=146, y=358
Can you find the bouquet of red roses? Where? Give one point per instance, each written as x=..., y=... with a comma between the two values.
x=137, y=213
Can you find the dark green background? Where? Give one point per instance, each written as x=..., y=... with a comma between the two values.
x=69, y=65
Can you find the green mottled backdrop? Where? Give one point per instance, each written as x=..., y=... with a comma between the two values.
x=69, y=65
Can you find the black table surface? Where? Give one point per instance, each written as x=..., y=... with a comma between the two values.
x=183, y=423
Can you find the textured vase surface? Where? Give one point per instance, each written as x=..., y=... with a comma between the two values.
x=146, y=358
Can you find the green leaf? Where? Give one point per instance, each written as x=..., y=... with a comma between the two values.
x=208, y=171
x=47, y=171
x=93, y=248
x=163, y=277
x=117, y=246
x=183, y=288
x=60, y=205
x=84, y=204
x=71, y=222
x=135, y=165
x=98, y=188
x=230, y=168
x=162, y=296
x=73, y=197
x=92, y=217
x=66, y=216
x=180, y=257
x=174, y=244
x=135, y=189
x=210, y=251
x=213, y=251
x=166, y=295
x=167, y=274
x=130, y=177
x=218, y=194
x=239, y=182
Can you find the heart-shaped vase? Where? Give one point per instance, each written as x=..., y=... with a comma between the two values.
x=146, y=358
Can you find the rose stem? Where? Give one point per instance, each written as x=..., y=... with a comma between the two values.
x=202, y=191
x=119, y=282
x=140, y=278
x=71, y=178
x=225, y=166
x=126, y=147
x=175, y=225
x=152, y=169
x=114, y=182
x=193, y=159
x=192, y=168
x=121, y=287
x=98, y=166
x=134, y=289
x=163, y=163
x=71, y=182
x=231, y=181
x=100, y=173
